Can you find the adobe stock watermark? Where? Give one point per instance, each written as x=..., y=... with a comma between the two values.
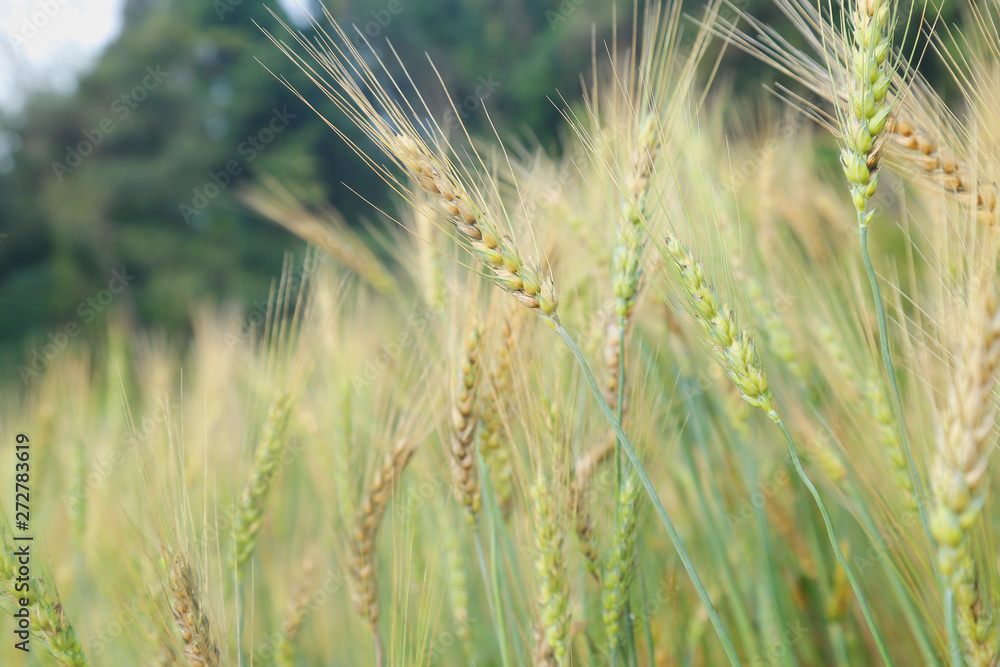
x=247, y=151
x=87, y=311
x=390, y=351
x=335, y=579
x=36, y=22
x=105, y=467
x=562, y=13
x=121, y=108
x=774, y=654
x=257, y=316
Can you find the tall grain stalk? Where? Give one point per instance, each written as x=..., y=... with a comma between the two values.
x=863, y=122
x=355, y=89
x=736, y=350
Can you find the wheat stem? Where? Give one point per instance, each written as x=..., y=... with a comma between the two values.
x=833, y=538
x=661, y=511
x=918, y=489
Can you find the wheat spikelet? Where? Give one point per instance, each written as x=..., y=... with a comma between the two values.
x=47, y=620
x=250, y=511
x=463, y=423
x=495, y=407
x=959, y=475
x=200, y=649
x=583, y=475
x=362, y=569
x=618, y=571
x=866, y=115
x=735, y=348
x=550, y=565
x=888, y=438
x=938, y=164
x=295, y=618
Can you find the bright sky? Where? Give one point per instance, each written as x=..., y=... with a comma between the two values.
x=44, y=44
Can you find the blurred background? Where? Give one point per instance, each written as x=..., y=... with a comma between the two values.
x=128, y=126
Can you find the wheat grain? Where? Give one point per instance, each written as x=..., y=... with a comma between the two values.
x=959, y=475
x=46, y=617
x=619, y=569
x=200, y=649
x=943, y=167
x=462, y=452
x=550, y=565
x=253, y=499
x=870, y=77
x=362, y=570
x=735, y=349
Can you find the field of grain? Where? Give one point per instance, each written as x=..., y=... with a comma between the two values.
x=715, y=385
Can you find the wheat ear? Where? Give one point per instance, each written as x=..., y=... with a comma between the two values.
x=498, y=252
x=47, y=619
x=864, y=120
x=295, y=618
x=458, y=586
x=737, y=352
x=550, y=565
x=583, y=477
x=941, y=166
x=362, y=570
x=785, y=525
x=618, y=571
x=463, y=426
x=200, y=649
x=253, y=499
x=626, y=270
x=735, y=348
x=495, y=404
x=959, y=476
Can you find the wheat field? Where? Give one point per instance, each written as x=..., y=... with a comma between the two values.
x=656, y=400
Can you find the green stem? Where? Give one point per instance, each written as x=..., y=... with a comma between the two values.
x=918, y=487
x=492, y=601
x=675, y=538
x=833, y=538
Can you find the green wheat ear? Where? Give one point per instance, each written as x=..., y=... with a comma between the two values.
x=253, y=499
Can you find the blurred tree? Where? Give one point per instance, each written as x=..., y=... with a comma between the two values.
x=138, y=168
